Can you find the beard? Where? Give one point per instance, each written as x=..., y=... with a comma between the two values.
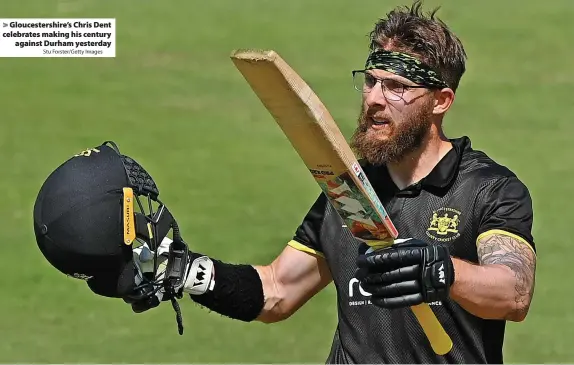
x=401, y=138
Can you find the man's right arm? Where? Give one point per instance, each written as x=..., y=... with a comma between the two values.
x=290, y=281
x=268, y=293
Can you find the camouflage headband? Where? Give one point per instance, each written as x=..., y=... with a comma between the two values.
x=406, y=66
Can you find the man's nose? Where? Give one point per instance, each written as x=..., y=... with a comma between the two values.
x=375, y=96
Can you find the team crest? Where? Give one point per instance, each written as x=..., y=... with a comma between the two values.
x=443, y=225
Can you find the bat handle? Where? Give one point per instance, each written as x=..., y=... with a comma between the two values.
x=439, y=340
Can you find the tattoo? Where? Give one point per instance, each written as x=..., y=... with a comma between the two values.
x=499, y=249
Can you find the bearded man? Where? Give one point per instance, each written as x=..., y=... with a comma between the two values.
x=453, y=205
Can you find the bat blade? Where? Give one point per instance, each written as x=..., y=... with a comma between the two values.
x=319, y=142
x=315, y=136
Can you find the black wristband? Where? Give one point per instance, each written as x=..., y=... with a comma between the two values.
x=237, y=294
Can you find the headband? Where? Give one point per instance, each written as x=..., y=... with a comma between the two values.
x=404, y=65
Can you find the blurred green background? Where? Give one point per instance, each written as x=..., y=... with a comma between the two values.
x=173, y=100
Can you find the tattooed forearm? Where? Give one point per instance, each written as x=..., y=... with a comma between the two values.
x=518, y=256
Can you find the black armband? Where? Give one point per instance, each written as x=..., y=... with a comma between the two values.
x=236, y=290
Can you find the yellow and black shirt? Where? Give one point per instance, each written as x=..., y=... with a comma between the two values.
x=465, y=197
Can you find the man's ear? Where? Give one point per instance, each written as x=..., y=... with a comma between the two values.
x=443, y=100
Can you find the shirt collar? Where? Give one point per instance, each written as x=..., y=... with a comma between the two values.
x=441, y=176
x=446, y=170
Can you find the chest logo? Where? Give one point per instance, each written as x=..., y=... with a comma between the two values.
x=443, y=225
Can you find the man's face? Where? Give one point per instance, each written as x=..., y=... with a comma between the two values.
x=393, y=121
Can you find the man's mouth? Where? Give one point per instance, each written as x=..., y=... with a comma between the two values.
x=379, y=122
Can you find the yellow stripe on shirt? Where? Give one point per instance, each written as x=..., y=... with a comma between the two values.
x=301, y=247
x=504, y=233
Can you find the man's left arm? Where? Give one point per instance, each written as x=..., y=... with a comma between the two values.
x=502, y=284
x=499, y=285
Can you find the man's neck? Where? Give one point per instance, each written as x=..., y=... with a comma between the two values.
x=419, y=163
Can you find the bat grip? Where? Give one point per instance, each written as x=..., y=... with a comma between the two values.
x=439, y=340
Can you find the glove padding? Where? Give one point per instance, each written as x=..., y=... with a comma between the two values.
x=198, y=276
x=144, y=262
x=407, y=273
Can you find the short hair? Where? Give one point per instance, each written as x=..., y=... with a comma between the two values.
x=424, y=36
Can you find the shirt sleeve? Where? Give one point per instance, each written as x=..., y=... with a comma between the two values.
x=307, y=236
x=506, y=208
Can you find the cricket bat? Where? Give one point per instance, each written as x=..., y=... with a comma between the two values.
x=319, y=142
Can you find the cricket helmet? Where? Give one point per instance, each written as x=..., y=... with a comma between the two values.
x=90, y=214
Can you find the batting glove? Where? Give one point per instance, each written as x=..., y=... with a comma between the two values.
x=407, y=273
x=197, y=279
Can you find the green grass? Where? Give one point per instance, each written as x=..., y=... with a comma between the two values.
x=173, y=100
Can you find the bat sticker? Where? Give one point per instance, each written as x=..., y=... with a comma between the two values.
x=354, y=208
